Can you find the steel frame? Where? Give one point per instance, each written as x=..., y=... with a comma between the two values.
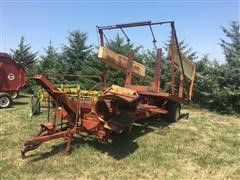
x=117, y=107
x=157, y=69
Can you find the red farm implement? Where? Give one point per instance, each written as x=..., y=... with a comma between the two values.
x=117, y=108
x=12, y=78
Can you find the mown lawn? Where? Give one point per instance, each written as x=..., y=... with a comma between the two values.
x=204, y=146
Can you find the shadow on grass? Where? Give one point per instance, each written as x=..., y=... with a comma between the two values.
x=25, y=96
x=121, y=145
x=19, y=103
x=184, y=116
x=15, y=104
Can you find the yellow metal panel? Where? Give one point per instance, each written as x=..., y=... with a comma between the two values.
x=122, y=90
x=188, y=66
x=120, y=61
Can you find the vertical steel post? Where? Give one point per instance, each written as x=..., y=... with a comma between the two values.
x=180, y=57
x=172, y=61
x=48, y=109
x=157, y=72
x=180, y=89
x=104, y=79
x=128, y=78
x=192, y=82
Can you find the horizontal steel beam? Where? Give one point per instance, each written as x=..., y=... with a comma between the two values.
x=134, y=24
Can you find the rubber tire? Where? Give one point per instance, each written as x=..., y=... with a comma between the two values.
x=36, y=108
x=174, y=112
x=15, y=95
x=5, y=96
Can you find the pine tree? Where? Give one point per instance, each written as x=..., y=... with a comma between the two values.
x=25, y=57
x=119, y=45
x=207, y=88
x=231, y=81
x=217, y=85
x=91, y=72
x=185, y=49
x=50, y=61
x=232, y=48
x=149, y=59
x=23, y=54
x=76, y=51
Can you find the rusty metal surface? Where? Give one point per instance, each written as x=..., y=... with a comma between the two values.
x=117, y=108
x=128, y=78
x=157, y=72
x=174, y=49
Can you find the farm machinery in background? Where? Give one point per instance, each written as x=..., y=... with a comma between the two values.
x=12, y=79
x=73, y=91
x=117, y=108
x=41, y=97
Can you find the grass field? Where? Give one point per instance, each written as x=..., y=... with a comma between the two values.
x=204, y=146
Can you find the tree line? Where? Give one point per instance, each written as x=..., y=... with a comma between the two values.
x=217, y=85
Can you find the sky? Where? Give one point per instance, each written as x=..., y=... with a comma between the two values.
x=197, y=22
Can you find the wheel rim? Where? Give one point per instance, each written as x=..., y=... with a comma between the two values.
x=4, y=101
x=14, y=95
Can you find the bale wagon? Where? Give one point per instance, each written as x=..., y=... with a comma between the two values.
x=117, y=108
x=12, y=79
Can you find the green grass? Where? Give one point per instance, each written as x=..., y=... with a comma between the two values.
x=205, y=146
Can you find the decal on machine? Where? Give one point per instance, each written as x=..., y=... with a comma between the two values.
x=11, y=76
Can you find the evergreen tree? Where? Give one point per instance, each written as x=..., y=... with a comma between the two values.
x=206, y=88
x=184, y=48
x=187, y=50
x=50, y=60
x=149, y=59
x=23, y=54
x=75, y=52
x=25, y=57
x=231, y=81
x=232, y=48
x=217, y=86
x=91, y=68
x=119, y=45
x=52, y=63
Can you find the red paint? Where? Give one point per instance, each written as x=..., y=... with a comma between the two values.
x=12, y=74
